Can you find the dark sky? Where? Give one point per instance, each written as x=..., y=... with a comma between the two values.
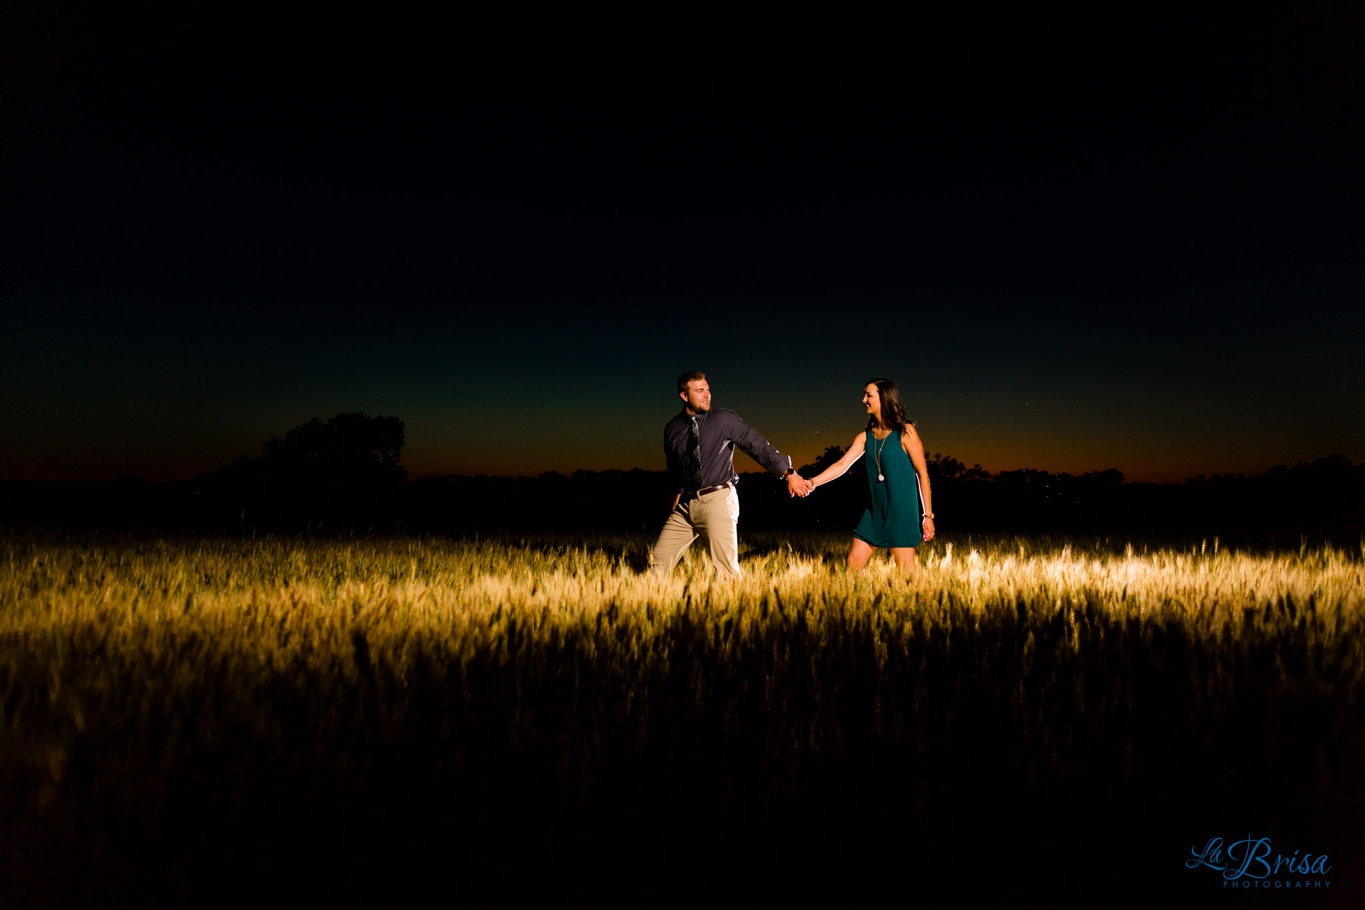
x=1129, y=239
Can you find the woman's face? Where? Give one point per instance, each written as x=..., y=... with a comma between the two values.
x=872, y=401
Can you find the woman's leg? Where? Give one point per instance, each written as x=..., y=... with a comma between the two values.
x=905, y=558
x=858, y=554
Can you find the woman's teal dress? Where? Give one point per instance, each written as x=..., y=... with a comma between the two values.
x=895, y=505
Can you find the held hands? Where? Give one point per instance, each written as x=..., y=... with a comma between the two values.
x=798, y=485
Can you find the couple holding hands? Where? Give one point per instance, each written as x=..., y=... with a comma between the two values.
x=700, y=446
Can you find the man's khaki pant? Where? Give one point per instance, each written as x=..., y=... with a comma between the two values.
x=712, y=516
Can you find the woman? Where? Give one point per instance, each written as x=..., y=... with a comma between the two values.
x=900, y=514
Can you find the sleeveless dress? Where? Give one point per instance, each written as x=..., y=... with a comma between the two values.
x=895, y=505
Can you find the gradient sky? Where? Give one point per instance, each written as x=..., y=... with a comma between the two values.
x=1134, y=241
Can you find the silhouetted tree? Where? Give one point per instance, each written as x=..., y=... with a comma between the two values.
x=826, y=458
x=352, y=445
x=947, y=468
x=347, y=470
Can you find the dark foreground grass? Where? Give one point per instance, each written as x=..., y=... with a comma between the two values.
x=226, y=723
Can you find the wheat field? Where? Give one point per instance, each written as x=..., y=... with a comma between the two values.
x=185, y=720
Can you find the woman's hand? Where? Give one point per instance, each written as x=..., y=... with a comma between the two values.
x=928, y=527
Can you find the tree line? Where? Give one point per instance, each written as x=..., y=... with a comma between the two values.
x=345, y=475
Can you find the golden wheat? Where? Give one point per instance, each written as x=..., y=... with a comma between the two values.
x=293, y=594
x=550, y=704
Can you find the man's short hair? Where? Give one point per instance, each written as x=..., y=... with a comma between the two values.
x=689, y=376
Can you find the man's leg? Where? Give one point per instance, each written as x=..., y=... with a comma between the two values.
x=673, y=541
x=716, y=517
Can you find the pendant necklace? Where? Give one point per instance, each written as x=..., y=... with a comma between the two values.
x=877, y=454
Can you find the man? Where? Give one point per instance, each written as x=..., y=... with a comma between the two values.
x=700, y=446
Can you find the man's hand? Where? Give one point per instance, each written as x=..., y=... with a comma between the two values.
x=798, y=485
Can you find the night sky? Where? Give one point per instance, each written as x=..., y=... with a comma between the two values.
x=1076, y=241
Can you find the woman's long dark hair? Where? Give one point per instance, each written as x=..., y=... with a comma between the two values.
x=893, y=414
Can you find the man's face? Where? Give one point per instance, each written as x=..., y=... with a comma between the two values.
x=697, y=398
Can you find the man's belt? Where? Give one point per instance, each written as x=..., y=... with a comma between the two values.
x=704, y=490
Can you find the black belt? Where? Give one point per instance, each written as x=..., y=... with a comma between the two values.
x=704, y=490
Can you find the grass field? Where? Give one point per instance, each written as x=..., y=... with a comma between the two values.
x=212, y=721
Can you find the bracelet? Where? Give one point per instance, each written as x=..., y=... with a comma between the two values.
x=929, y=515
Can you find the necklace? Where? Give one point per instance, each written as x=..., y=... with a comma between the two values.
x=877, y=455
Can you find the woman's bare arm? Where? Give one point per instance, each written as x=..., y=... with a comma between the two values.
x=840, y=467
x=910, y=441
